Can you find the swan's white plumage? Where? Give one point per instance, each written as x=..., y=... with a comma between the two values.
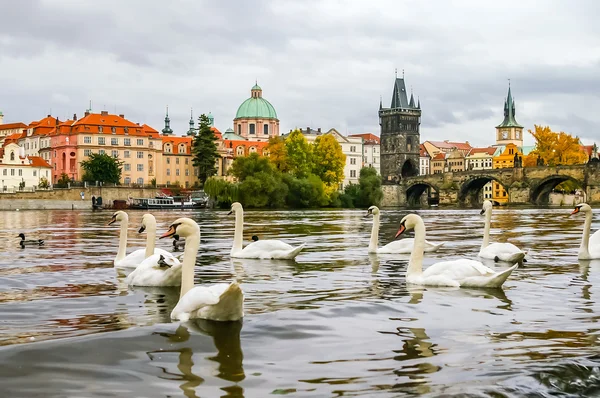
x=261, y=249
x=151, y=273
x=401, y=246
x=506, y=252
x=456, y=273
x=590, y=245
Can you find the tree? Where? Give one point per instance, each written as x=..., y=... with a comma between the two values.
x=328, y=160
x=247, y=166
x=554, y=149
x=277, y=153
x=204, y=150
x=44, y=184
x=298, y=153
x=102, y=167
x=63, y=181
x=370, y=187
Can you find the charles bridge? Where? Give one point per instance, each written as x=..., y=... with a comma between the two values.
x=529, y=185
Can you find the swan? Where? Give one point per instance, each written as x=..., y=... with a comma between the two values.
x=497, y=251
x=262, y=249
x=219, y=302
x=403, y=246
x=590, y=245
x=134, y=258
x=29, y=242
x=157, y=269
x=456, y=273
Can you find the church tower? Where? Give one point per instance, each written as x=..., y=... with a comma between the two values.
x=509, y=131
x=400, y=135
x=167, y=130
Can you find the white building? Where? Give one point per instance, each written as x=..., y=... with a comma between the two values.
x=371, y=150
x=424, y=161
x=481, y=159
x=17, y=169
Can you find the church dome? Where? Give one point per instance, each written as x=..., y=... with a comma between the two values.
x=256, y=107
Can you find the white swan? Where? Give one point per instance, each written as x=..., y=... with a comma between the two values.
x=262, y=249
x=219, y=302
x=497, y=251
x=457, y=273
x=134, y=258
x=403, y=246
x=590, y=246
x=157, y=269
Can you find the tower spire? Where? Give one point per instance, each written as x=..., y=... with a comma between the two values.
x=167, y=130
x=191, y=130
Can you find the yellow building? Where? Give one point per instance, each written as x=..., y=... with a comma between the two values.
x=504, y=157
x=178, y=168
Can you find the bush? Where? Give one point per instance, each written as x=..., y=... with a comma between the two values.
x=44, y=184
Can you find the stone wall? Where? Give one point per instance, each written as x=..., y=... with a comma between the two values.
x=392, y=196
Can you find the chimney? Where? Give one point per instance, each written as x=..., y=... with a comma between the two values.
x=87, y=113
x=49, y=116
x=75, y=117
x=122, y=116
x=104, y=113
x=308, y=130
x=319, y=129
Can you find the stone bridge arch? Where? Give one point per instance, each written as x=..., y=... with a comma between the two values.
x=540, y=191
x=470, y=193
x=416, y=189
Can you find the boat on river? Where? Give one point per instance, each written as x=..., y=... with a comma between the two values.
x=168, y=202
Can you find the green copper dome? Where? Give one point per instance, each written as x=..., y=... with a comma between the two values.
x=256, y=107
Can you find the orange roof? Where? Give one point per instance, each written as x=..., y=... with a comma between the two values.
x=10, y=126
x=92, y=122
x=449, y=145
x=489, y=150
x=440, y=156
x=148, y=129
x=37, y=161
x=588, y=149
x=369, y=138
x=422, y=151
x=234, y=144
x=176, y=140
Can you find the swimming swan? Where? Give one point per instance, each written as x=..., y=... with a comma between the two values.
x=590, y=246
x=134, y=258
x=403, y=246
x=457, y=273
x=497, y=251
x=263, y=249
x=157, y=269
x=218, y=302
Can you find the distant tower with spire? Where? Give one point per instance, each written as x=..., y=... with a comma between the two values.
x=509, y=131
x=400, y=137
x=167, y=130
x=192, y=130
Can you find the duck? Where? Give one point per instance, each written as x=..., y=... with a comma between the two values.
x=218, y=302
x=135, y=258
x=29, y=242
x=261, y=249
x=157, y=269
x=456, y=273
x=590, y=245
x=403, y=246
x=506, y=252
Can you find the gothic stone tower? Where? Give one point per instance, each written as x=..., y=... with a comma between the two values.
x=400, y=136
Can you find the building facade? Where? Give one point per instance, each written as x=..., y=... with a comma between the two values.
x=400, y=137
x=424, y=161
x=18, y=170
x=482, y=159
x=504, y=157
x=509, y=131
x=371, y=151
x=256, y=119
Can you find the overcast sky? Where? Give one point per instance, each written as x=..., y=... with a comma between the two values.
x=320, y=63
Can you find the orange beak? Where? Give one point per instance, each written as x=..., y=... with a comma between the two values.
x=400, y=231
x=112, y=220
x=169, y=233
x=575, y=211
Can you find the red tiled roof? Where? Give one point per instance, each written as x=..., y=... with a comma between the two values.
x=440, y=156
x=10, y=126
x=422, y=151
x=176, y=140
x=588, y=149
x=489, y=150
x=369, y=138
x=449, y=145
x=234, y=144
x=37, y=161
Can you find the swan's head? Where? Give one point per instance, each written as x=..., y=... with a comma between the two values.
x=372, y=211
x=147, y=220
x=182, y=227
x=584, y=207
x=118, y=216
x=408, y=222
x=22, y=236
x=487, y=206
x=235, y=207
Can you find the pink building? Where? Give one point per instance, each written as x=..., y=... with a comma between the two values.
x=256, y=119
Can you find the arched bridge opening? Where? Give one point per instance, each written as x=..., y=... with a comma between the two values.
x=422, y=194
x=409, y=169
x=558, y=189
x=473, y=192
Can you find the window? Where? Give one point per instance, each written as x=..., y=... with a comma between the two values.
x=140, y=167
x=187, y=161
x=12, y=172
x=265, y=129
x=352, y=173
x=181, y=148
x=409, y=144
x=115, y=154
x=252, y=149
x=87, y=140
x=176, y=160
x=101, y=151
x=126, y=154
x=113, y=130
x=168, y=160
x=187, y=172
x=352, y=149
x=100, y=129
x=127, y=167
x=252, y=129
x=4, y=172
x=127, y=142
x=87, y=152
x=101, y=141
x=167, y=148
x=140, y=141
x=20, y=172
x=140, y=181
x=114, y=141
x=176, y=172
x=127, y=180
x=140, y=155
x=168, y=172
x=240, y=150
x=352, y=160
x=35, y=173
x=239, y=129
x=12, y=155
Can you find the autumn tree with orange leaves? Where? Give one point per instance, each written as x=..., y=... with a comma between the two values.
x=554, y=149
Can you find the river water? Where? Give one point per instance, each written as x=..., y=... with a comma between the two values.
x=335, y=322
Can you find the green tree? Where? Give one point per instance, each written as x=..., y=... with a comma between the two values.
x=370, y=188
x=306, y=192
x=278, y=154
x=247, y=166
x=102, y=167
x=328, y=160
x=63, y=181
x=44, y=184
x=298, y=154
x=204, y=150
x=263, y=189
x=221, y=191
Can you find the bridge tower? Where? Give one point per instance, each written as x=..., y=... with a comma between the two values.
x=400, y=135
x=509, y=131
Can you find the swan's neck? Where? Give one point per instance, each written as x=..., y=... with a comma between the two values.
x=585, y=240
x=192, y=243
x=415, y=264
x=374, y=234
x=122, y=241
x=239, y=229
x=150, y=238
x=486, y=229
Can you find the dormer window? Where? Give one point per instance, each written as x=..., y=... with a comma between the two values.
x=12, y=156
x=100, y=129
x=114, y=130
